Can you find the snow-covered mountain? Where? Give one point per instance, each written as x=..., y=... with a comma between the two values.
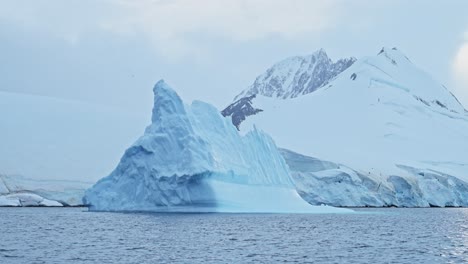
x=383, y=133
x=191, y=159
x=297, y=76
x=289, y=78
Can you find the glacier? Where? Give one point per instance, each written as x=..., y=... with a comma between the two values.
x=26, y=200
x=381, y=133
x=324, y=182
x=16, y=190
x=192, y=159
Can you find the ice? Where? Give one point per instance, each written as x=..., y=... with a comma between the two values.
x=192, y=159
x=324, y=182
x=63, y=192
x=26, y=199
x=9, y=201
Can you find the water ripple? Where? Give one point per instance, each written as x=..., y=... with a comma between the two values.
x=71, y=235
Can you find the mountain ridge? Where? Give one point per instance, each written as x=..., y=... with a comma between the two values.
x=376, y=119
x=290, y=78
x=297, y=75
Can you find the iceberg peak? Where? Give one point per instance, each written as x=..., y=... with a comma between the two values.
x=166, y=102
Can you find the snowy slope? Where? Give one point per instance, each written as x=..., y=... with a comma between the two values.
x=192, y=159
x=387, y=120
x=61, y=142
x=324, y=182
x=297, y=76
x=26, y=199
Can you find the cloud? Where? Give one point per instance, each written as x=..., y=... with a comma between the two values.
x=461, y=61
x=237, y=19
x=67, y=20
x=177, y=28
x=460, y=67
x=172, y=25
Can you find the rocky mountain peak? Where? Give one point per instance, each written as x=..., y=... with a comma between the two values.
x=297, y=76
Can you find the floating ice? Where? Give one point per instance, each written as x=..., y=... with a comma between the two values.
x=192, y=159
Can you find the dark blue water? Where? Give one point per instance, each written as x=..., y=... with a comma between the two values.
x=72, y=235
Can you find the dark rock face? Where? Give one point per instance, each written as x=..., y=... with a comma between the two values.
x=240, y=110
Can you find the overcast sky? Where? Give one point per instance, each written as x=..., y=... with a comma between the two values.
x=112, y=52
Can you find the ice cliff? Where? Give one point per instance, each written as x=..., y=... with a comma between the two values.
x=192, y=159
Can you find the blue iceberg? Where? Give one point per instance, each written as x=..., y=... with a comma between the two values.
x=192, y=159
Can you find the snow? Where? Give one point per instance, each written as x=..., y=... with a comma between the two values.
x=392, y=116
x=324, y=182
x=9, y=201
x=26, y=199
x=296, y=76
x=192, y=159
x=61, y=191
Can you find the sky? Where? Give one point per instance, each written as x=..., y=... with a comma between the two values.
x=113, y=52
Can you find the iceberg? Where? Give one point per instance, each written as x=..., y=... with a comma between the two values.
x=192, y=159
